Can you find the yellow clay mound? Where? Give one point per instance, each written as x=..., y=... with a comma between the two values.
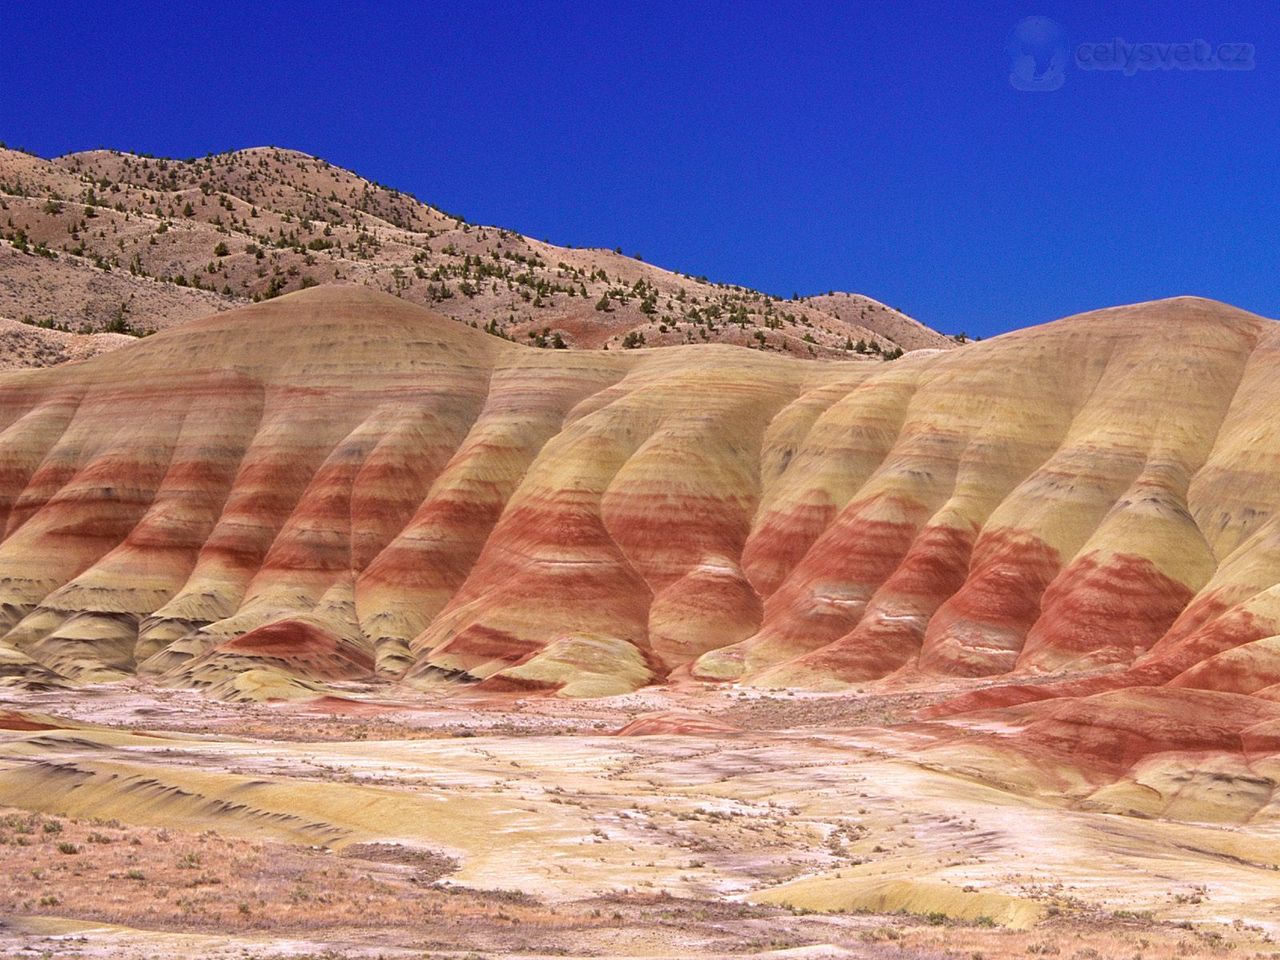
x=919, y=897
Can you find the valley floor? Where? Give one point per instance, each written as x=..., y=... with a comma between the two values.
x=138, y=821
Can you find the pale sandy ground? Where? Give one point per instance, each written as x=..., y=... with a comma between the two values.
x=466, y=827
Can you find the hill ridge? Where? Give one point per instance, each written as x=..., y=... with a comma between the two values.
x=213, y=232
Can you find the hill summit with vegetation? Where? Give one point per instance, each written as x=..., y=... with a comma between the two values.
x=110, y=242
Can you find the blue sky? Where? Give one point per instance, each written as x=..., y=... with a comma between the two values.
x=791, y=147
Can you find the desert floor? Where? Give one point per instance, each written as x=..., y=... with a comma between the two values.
x=138, y=821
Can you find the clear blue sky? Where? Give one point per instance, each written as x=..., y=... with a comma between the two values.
x=790, y=147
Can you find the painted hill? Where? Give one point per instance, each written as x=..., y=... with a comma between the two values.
x=1071, y=526
x=108, y=241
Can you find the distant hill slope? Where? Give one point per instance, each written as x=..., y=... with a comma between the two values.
x=857, y=310
x=109, y=241
x=23, y=345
